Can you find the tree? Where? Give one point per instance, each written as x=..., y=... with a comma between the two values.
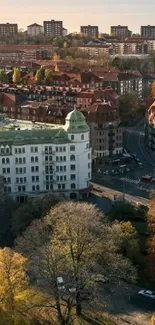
x=16, y=78
x=129, y=107
x=153, y=89
x=39, y=77
x=3, y=77
x=152, y=322
x=75, y=241
x=48, y=77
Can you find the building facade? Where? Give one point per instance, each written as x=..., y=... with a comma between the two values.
x=34, y=30
x=8, y=29
x=90, y=31
x=53, y=28
x=148, y=31
x=36, y=159
x=120, y=31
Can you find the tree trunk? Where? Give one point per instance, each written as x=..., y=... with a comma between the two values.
x=78, y=304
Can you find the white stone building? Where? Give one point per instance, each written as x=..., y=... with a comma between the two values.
x=35, y=30
x=39, y=158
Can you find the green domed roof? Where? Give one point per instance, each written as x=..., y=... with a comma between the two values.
x=76, y=122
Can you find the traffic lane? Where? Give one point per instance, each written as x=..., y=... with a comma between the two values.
x=126, y=303
x=122, y=187
x=134, y=142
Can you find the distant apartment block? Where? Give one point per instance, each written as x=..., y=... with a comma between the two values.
x=91, y=31
x=53, y=28
x=34, y=30
x=148, y=31
x=120, y=31
x=8, y=29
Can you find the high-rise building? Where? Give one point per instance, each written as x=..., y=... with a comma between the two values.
x=53, y=28
x=148, y=31
x=89, y=30
x=38, y=158
x=120, y=31
x=8, y=29
x=34, y=30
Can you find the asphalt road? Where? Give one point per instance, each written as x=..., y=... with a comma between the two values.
x=130, y=183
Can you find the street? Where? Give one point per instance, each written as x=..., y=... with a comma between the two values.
x=130, y=183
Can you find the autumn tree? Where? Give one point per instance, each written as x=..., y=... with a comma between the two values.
x=48, y=77
x=153, y=89
x=39, y=77
x=75, y=241
x=16, y=78
x=129, y=107
x=3, y=77
x=152, y=322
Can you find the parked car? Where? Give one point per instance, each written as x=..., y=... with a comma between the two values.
x=147, y=294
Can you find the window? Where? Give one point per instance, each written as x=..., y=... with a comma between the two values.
x=47, y=187
x=36, y=149
x=3, y=160
x=8, y=170
x=7, y=150
x=82, y=136
x=59, y=186
x=61, y=178
x=51, y=186
x=57, y=168
x=72, y=137
x=37, y=178
x=57, y=178
x=7, y=161
x=72, y=158
x=37, y=188
x=89, y=175
x=37, y=168
x=50, y=158
x=61, y=168
x=17, y=180
x=65, y=168
x=60, y=158
x=63, y=186
x=19, y=189
x=57, y=158
x=72, y=148
x=32, y=169
x=72, y=167
x=64, y=158
x=60, y=149
x=89, y=165
x=89, y=156
x=64, y=149
x=73, y=186
x=32, y=159
x=33, y=178
x=46, y=158
x=33, y=188
x=56, y=149
x=73, y=177
x=16, y=170
x=65, y=178
x=36, y=159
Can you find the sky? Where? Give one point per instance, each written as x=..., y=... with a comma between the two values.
x=132, y=13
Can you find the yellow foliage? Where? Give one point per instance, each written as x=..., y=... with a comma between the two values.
x=152, y=320
x=153, y=89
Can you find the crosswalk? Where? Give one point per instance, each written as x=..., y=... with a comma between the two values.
x=130, y=180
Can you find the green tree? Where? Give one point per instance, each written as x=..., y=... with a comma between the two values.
x=129, y=107
x=3, y=77
x=39, y=77
x=16, y=78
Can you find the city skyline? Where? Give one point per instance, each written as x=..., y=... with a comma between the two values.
x=95, y=13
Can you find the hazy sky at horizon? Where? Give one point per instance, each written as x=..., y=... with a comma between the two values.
x=93, y=12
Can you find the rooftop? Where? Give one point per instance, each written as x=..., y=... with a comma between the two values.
x=19, y=132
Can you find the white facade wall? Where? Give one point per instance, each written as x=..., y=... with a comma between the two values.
x=18, y=170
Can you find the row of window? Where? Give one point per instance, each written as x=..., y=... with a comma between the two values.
x=61, y=169
x=73, y=137
x=20, y=160
x=21, y=180
x=5, y=150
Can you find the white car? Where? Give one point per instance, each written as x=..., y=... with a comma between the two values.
x=147, y=294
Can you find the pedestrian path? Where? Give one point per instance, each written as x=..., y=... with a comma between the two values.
x=130, y=180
